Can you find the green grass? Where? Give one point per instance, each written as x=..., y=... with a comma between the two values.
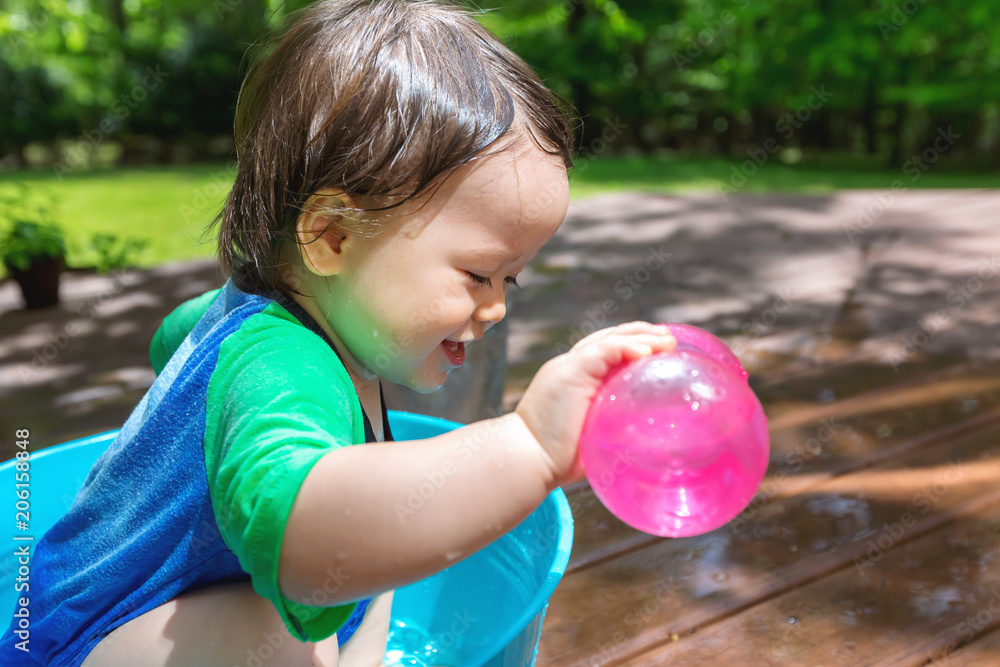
x=682, y=176
x=168, y=206
x=171, y=206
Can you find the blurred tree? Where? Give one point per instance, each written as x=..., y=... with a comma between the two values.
x=876, y=77
x=723, y=76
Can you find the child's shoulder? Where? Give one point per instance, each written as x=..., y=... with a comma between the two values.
x=273, y=331
x=176, y=326
x=272, y=359
x=274, y=341
x=245, y=329
x=273, y=326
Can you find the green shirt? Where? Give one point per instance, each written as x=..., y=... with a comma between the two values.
x=278, y=400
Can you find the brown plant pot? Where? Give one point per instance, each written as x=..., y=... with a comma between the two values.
x=40, y=282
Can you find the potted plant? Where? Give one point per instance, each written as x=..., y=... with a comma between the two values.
x=114, y=252
x=33, y=250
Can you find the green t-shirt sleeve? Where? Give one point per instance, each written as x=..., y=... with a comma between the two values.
x=278, y=400
x=175, y=328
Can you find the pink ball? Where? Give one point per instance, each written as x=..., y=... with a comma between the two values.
x=676, y=444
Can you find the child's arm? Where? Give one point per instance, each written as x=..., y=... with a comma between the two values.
x=385, y=515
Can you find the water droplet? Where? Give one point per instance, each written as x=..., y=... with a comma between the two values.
x=792, y=620
x=650, y=421
x=452, y=555
x=374, y=333
x=720, y=576
x=694, y=406
x=611, y=397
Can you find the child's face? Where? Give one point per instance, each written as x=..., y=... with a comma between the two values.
x=401, y=297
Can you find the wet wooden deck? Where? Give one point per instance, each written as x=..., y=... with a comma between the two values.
x=874, y=539
x=869, y=324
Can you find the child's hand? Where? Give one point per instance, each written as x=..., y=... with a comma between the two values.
x=556, y=402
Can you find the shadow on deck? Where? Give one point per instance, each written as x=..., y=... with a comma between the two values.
x=871, y=335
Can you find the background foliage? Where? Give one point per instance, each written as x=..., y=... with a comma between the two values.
x=129, y=81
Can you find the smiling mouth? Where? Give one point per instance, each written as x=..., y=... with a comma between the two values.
x=454, y=351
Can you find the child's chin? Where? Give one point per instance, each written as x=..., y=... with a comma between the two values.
x=426, y=385
x=428, y=389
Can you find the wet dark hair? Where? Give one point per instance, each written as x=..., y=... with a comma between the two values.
x=377, y=98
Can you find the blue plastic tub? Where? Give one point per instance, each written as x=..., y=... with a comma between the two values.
x=485, y=610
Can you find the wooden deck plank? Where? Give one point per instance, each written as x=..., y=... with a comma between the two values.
x=912, y=605
x=627, y=604
x=599, y=535
x=982, y=652
x=861, y=443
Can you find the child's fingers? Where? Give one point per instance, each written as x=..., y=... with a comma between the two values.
x=633, y=351
x=629, y=328
x=652, y=342
x=641, y=345
x=598, y=358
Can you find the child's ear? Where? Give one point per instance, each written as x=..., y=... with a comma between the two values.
x=320, y=237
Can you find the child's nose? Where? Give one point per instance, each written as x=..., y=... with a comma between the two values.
x=491, y=310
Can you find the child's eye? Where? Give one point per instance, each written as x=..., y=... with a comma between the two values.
x=486, y=282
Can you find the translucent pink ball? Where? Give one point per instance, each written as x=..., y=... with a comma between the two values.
x=676, y=444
